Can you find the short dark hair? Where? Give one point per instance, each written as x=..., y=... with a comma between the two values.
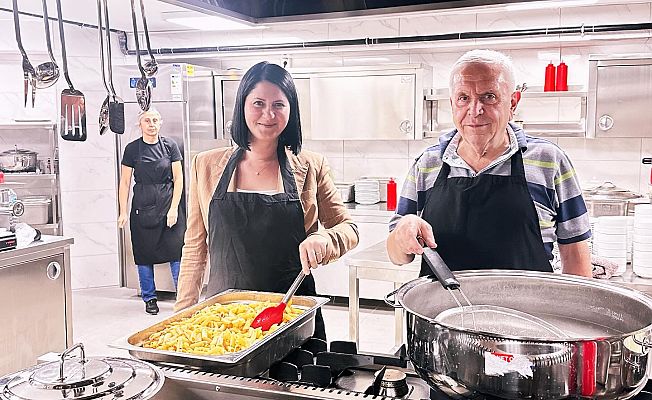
x=264, y=71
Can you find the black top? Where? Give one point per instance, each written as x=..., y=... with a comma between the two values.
x=150, y=152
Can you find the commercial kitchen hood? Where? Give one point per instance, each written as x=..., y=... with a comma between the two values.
x=270, y=11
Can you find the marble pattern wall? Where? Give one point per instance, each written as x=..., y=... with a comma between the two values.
x=88, y=168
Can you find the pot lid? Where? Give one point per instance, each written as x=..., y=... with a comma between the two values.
x=609, y=191
x=81, y=378
x=16, y=151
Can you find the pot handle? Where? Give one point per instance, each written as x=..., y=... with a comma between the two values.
x=392, y=303
x=440, y=269
x=643, y=343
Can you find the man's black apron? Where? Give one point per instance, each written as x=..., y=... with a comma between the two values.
x=152, y=240
x=254, y=239
x=485, y=222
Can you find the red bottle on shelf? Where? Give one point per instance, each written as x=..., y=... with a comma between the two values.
x=549, y=83
x=391, y=194
x=562, y=77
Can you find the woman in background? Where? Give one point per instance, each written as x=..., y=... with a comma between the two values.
x=255, y=208
x=157, y=218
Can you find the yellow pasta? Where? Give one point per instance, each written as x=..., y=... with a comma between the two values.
x=216, y=329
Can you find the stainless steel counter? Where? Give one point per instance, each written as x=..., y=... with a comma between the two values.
x=35, y=293
x=378, y=209
x=631, y=280
x=34, y=250
x=373, y=263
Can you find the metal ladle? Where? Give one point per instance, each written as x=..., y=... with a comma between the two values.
x=151, y=66
x=143, y=86
x=47, y=73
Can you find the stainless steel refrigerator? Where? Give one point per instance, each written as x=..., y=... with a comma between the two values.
x=184, y=95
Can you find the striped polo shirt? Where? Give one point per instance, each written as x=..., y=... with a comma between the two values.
x=551, y=180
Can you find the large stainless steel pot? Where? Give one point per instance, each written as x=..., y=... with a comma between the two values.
x=604, y=357
x=608, y=199
x=18, y=160
x=84, y=378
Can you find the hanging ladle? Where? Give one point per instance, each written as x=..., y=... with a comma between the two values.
x=150, y=66
x=47, y=73
x=274, y=315
x=143, y=86
x=29, y=74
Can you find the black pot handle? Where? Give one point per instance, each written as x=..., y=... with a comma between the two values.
x=440, y=269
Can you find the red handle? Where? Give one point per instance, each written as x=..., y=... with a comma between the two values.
x=589, y=359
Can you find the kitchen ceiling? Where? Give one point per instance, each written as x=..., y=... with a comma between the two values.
x=85, y=11
x=251, y=11
x=269, y=11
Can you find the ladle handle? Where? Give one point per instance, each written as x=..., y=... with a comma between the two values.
x=294, y=287
x=440, y=269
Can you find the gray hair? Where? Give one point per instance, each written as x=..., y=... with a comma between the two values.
x=151, y=110
x=492, y=57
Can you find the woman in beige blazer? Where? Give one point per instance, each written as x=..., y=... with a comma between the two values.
x=254, y=209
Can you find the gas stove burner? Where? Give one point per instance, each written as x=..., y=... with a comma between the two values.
x=393, y=384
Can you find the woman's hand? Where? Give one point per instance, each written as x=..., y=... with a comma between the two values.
x=312, y=252
x=172, y=217
x=122, y=220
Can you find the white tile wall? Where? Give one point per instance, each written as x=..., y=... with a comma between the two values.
x=88, y=171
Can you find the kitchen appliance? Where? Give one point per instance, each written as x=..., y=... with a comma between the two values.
x=184, y=97
x=18, y=160
x=604, y=357
x=314, y=370
x=7, y=240
x=83, y=378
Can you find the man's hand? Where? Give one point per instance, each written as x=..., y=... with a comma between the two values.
x=408, y=238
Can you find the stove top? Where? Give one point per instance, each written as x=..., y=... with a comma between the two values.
x=313, y=372
x=309, y=372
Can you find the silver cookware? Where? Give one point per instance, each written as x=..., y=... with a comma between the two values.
x=604, y=356
x=18, y=160
x=83, y=378
x=608, y=199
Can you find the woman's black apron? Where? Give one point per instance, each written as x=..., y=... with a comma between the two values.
x=486, y=221
x=152, y=240
x=254, y=239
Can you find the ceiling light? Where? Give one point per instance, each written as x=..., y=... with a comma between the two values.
x=207, y=22
x=549, y=4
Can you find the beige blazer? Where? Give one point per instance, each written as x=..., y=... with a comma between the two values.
x=320, y=200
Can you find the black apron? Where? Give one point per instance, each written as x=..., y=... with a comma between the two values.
x=485, y=222
x=153, y=242
x=254, y=239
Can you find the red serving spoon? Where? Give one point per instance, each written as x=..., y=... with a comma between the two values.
x=274, y=315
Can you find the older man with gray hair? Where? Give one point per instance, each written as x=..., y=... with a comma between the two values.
x=487, y=195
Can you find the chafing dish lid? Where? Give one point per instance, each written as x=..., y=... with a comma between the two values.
x=82, y=378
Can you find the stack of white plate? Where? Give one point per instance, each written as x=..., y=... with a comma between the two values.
x=610, y=241
x=367, y=191
x=630, y=238
x=642, y=255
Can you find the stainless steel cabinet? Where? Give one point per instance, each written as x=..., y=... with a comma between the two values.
x=36, y=304
x=620, y=96
x=348, y=103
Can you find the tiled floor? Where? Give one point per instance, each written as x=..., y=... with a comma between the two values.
x=102, y=316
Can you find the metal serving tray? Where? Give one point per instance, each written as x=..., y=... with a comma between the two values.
x=249, y=362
